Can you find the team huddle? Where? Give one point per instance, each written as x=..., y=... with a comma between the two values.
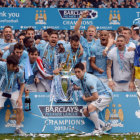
x=103, y=62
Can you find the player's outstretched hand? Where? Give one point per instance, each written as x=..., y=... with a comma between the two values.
x=84, y=14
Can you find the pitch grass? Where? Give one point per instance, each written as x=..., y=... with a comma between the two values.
x=66, y=137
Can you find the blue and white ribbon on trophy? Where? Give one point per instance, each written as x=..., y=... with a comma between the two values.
x=56, y=93
x=28, y=69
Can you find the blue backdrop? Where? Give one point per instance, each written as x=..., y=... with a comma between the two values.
x=65, y=19
x=123, y=113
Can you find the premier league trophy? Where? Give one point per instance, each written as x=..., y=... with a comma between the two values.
x=61, y=87
x=66, y=82
x=68, y=79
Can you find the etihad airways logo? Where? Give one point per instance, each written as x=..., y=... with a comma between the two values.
x=61, y=111
x=73, y=14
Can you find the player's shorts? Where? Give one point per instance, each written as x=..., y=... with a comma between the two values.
x=101, y=102
x=13, y=99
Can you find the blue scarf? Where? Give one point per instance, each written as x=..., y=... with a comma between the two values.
x=119, y=60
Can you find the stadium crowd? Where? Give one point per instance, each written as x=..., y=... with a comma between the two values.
x=71, y=3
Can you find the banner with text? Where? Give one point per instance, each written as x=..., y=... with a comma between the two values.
x=65, y=19
x=123, y=114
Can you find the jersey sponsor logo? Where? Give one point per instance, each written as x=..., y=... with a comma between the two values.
x=100, y=57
